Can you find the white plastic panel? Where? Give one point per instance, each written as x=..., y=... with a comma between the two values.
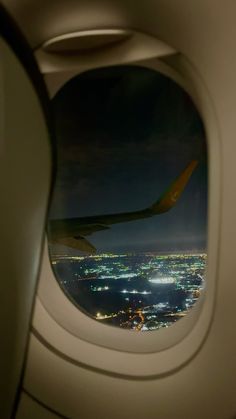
x=205, y=32
x=137, y=47
x=29, y=408
x=187, y=333
x=198, y=390
x=24, y=151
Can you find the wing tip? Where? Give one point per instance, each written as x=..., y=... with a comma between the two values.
x=171, y=196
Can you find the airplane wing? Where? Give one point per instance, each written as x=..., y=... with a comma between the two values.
x=77, y=242
x=71, y=232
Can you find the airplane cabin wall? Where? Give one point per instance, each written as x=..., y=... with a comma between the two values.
x=204, y=32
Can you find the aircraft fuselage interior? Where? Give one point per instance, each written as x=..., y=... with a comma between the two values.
x=118, y=203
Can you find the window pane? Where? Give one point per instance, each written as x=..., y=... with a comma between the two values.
x=128, y=219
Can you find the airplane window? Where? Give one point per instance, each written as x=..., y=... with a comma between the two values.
x=128, y=219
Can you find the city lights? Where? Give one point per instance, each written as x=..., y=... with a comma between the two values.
x=140, y=292
x=164, y=280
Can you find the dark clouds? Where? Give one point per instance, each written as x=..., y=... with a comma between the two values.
x=125, y=133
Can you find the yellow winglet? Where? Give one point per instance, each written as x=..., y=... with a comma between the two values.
x=171, y=196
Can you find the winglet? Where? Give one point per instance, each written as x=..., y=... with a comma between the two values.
x=171, y=196
x=78, y=243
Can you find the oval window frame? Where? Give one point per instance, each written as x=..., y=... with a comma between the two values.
x=193, y=329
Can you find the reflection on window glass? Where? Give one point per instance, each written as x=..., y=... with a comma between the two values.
x=127, y=225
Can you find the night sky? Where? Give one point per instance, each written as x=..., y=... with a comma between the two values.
x=124, y=134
